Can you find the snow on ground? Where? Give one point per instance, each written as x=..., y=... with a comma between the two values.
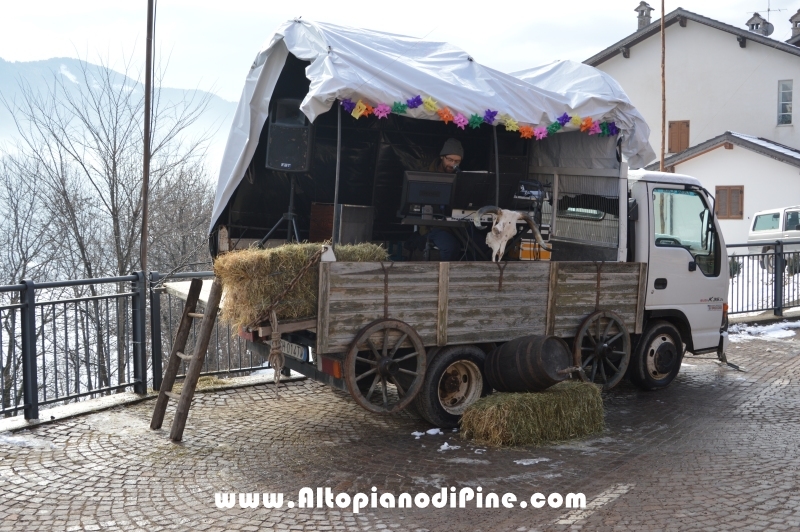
x=531, y=461
x=744, y=333
x=447, y=447
x=269, y=372
x=23, y=440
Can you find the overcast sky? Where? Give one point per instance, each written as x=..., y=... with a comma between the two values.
x=211, y=44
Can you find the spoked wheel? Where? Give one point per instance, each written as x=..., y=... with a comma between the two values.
x=602, y=349
x=385, y=366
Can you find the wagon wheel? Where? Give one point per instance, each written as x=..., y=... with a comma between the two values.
x=385, y=366
x=602, y=348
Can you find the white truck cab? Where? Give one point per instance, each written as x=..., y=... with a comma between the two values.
x=771, y=226
x=677, y=234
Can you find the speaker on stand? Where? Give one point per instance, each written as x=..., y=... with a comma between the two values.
x=288, y=150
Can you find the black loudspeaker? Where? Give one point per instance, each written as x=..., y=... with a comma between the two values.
x=289, y=138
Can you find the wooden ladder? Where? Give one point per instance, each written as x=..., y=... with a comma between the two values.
x=196, y=359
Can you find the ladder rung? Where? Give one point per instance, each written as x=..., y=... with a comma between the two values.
x=184, y=356
x=196, y=314
x=173, y=395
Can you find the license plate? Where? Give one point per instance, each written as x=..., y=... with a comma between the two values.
x=294, y=350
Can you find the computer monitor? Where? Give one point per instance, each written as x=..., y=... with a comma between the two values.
x=475, y=190
x=427, y=194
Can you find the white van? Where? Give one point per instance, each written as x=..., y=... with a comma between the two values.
x=773, y=225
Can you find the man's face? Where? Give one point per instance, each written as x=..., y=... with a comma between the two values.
x=449, y=163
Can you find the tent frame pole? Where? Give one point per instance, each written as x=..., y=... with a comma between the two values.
x=337, y=212
x=496, y=168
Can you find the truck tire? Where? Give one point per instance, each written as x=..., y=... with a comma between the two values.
x=454, y=380
x=657, y=359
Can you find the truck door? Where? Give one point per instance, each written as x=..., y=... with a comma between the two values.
x=684, y=271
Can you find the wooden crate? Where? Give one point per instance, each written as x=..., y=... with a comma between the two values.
x=473, y=302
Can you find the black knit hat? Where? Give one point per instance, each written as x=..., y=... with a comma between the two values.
x=452, y=147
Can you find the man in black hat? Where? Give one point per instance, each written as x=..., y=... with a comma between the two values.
x=448, y=163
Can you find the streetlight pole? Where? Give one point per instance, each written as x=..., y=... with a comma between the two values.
x=148, y=90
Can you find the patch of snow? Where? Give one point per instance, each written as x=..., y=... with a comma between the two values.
x=417, y=435
x=744, y=333
x=64, y=71
x=434, y=432
x=480, y=451
x=447, y=447
x=269, y=372
x=687, y=365
x=531, y=461
x=24, y=440
x=467, y=461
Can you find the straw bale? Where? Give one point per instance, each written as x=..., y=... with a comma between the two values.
x=571, y=409
x=253, y=278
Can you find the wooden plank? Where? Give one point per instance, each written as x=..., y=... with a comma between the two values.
x=444, y=282
x=289, y=326
x=323, y=309
x=642, y=296
x=552, y=297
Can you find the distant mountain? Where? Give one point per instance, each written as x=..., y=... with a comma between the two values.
x=216, y=121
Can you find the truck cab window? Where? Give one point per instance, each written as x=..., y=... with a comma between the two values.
x=792, y=221
x=682, y=219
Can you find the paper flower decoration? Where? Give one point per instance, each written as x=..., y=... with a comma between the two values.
x=575, y=121
x=554, y=127
x=359, y=109
x=563, y=119
x=368, y=110
x=604, y=129
x=586, y=125
x=510, y=123
x=475, y=121
x=430, y=104
x=348, y=105
x=526, y=132
x=382, y=110
x=613, y=130
x=540, y=133
x=399, y=108
x=445, y=115
x=414, y=102
x=460, y=120
x=489, y=116
x=595, y=129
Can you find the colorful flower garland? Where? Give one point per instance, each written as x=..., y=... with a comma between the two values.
x=474, y=121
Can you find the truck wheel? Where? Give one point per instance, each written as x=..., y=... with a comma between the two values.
x=453, y=381
x=658, y=356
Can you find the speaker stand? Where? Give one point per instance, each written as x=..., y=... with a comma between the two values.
x=290, y=216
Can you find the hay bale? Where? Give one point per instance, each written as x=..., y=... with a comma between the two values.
x=568, y=410
x=253, y=278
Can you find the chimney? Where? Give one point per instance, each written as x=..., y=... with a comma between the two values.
x=757, y=24
x=644, y=10
x=795, y=20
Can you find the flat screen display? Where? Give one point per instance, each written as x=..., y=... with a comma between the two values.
x=426, y=193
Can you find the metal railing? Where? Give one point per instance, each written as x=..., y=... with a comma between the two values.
x=227, y=352
x=68, y=340
x=764, y=281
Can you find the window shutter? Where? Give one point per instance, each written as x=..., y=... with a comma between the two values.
x=722, y=202
x=678, y=136
x=736, y=203
x=673, y=140
x=684, y=136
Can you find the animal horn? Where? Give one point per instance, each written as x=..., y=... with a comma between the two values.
x=489, y=209
x=536, y=234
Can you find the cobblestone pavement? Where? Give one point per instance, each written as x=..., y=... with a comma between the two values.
x=717, y=450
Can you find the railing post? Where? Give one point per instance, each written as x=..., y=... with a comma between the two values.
x=778, y=278
x=138, y=331
x=30, y=372
x=155, y=331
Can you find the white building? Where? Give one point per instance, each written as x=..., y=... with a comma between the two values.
x=719, y=79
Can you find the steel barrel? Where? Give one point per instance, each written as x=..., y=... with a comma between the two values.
x=528, y=364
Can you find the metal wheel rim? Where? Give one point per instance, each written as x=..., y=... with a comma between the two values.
x=470, y=386
x=650, y=356
x=592, y=352
x=362, y=350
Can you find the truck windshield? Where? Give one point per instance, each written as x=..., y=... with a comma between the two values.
x=767, y=222
x=682, y=219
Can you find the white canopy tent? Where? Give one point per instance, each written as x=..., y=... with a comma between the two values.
x=358, y=64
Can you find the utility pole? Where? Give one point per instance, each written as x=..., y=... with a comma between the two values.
x=148, y=91
x=663, y=93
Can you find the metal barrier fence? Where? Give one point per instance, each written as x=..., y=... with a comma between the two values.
x=764, y=281
x=227, y=353
x=68, y=340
